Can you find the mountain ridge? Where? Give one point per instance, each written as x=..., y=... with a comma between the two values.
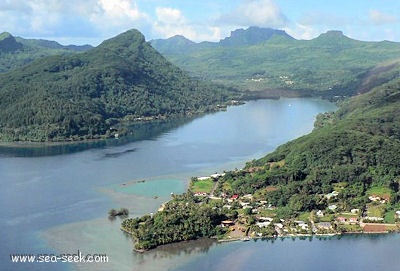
x=329, y=65
x=16, y=52
x=251, y=36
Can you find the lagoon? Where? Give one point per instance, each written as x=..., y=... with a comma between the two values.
x=55, y=200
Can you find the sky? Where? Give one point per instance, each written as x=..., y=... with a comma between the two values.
x=92, y=21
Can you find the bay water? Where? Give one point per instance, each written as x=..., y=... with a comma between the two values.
x=55, y=199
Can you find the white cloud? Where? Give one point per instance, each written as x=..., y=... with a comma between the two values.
x=111, y=17
x=380, y=18
x=111, y=13
x=264, y=13
x=170, y=22
x=303, y=32
x=91, y=19
x=170, y=15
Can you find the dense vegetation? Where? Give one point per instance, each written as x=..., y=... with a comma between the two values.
x=181, y=219
x=87, y=95
x=265, y=59
x=17, y=52
x=351, y=155
x=357, y=147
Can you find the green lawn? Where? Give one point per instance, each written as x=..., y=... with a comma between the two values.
x=202, y=186
x=376, y=211
x=304, y=216
x=327, y=218
x=380, y=191
x=347, y=215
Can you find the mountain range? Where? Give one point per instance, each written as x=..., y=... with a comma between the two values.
x=268, y=60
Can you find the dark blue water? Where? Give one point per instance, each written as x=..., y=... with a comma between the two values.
x=56, y=199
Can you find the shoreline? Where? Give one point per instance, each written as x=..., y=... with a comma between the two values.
x=266, y=94
x=266, y=238
x=263, y=238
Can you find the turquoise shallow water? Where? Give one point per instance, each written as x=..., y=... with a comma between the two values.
x=151, y=188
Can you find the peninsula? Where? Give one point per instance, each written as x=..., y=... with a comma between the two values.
x=343, y=177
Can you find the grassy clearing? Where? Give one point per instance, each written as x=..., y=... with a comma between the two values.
x=348, y=215
x=327, y=218
x=376, y=211
x=203, y=186
x=267, y=213
x=304, y=216
x=380, y=191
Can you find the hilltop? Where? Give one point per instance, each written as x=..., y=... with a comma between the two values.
x=272, y=63
x=89, y=94
x=252, y=36
x=16, y=52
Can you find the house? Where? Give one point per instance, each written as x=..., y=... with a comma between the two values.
x=374, y=218
x=355, y=211
x=234, y=197
x=227, y=223
x=398, y=214
x=374, y=198
x=202, y=178
x=303, y=225
x=262, y=218
x=248, y=196
x=278, y=225
x=217, y=175
x=200, y=194
x=320, y=213
x=324, y=225
x=333, y=194
x=263, y=224
x=332, y=207
x=353, y=219
x=341, y=219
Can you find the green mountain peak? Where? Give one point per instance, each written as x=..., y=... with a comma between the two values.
x=8, y=43
x=251, y=36
x=81, y=96
x=5, y=35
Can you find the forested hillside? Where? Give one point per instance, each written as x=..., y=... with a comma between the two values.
x=260, y=59
x=17, y=52
x=356, y=147
x=85, y=95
